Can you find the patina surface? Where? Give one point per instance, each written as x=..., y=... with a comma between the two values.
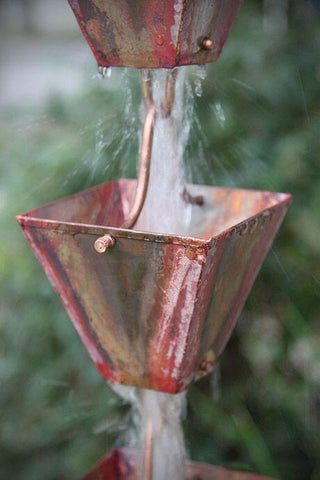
x=153, y=33
x=156, y=310
x=120, y=464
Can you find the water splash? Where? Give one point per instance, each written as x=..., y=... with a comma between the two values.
x=165, y=209
x=219, y=113
x=200, y=76
x=164, y=412
x=104, y=72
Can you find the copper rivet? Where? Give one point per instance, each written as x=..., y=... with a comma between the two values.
x=207, y=44
x=102, y=244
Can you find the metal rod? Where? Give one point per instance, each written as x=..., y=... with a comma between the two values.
x=144, y=168
x=147, y=465
x=170, y=93
x=146, y=87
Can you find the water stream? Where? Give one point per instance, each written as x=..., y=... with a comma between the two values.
x=161, y=416
x=166, y=211
x=158, y=414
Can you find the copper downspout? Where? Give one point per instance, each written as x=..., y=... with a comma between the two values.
x=144, y=169
x=147, y=464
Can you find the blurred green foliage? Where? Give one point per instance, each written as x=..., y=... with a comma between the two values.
x=256, y=125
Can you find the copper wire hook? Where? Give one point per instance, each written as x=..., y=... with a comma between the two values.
x=104, y=243
x=144, y=168
x=147, y=464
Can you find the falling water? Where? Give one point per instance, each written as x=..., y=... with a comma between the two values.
x=165, y=209
x=158, y=415
x=161, y=414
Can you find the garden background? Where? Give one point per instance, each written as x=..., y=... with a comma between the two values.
x=256, y=125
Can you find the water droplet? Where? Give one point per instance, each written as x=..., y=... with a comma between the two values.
x=104, y=72
x=200, y=75
x=198, y=87
x=146, y=74
x=202, y=71
x=219, y=114
x=100, y=143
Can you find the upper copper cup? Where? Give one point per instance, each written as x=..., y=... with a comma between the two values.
x=153, y=33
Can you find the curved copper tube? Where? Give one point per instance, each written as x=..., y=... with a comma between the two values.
x=102, y=244
x=146, y=87
x=144, y=168
x=147, y=140
x=147, y=464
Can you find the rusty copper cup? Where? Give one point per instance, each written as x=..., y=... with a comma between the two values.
x=153, y=33
x=155, y=310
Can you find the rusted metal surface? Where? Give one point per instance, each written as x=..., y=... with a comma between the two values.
x=147, y=464
x=121, y=464
x=156, y=310
x=153, y=33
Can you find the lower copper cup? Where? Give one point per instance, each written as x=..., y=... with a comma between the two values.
x=155, y=310
x=121, y=464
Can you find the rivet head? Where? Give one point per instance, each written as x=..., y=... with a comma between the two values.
x=102, y=244
x=207, y=44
